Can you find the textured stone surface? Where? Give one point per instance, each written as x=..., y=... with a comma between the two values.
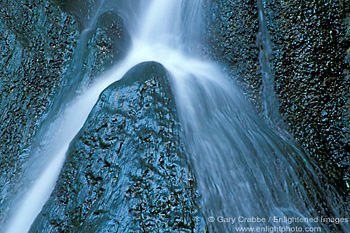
x=126, y=168
x=36, y=46
x=82, y=10
x=107, y=45
x=37, y=43
x=311, y=80
x=232, y=30
x=44, y=60
x=311, y=73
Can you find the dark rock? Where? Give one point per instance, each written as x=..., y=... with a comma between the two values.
x=309, y=59
x=126, y=169
x=100, y=47
x=232, y=30
x=44, y=61
x=87, y=11
x=36, y=46
x=107, y=45
x=311, y=73
x=83, y=10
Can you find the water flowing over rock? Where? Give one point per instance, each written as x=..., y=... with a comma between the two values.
x=310, y=41
x=126, y=169
x=312, y=80
x=138, y=162
x=37, y=42
x=107, y=45
x=45, y=60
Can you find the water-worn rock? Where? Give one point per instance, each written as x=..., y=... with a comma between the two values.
x=311, y=81
x=82, y=10
x=102, y=43
x=107, y=45
x=36, y=45
x=44, y=60
x=311, y=77
x=87, y=11
x=232, y=29
x=126, y=169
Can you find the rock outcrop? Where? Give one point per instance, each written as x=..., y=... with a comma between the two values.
x=312, y=80
x=107, y=44
x=232, y=28
x=126, y=169
x=37, y=42
x=45, y=59
x=309, y=64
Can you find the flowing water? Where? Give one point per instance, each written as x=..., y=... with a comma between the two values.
x=270, y=105
x=243, y=169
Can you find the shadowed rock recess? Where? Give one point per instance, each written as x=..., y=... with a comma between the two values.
x=126, y=168
x=311, y=68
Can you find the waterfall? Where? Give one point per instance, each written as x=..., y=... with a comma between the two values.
x=243, y=168
x=270, y=105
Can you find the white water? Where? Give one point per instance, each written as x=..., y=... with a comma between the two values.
x=242, y=167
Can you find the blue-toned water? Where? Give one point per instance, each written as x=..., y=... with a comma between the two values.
x=244, y=170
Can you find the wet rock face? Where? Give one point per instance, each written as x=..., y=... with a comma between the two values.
x=112, y=25
x=311, y=81
x=82, y=10
x=44, y=60
x=311, y=77
x=107, y=45
x=126, y=168
x=36, y=45
x=232, y=30
x=104, y=43
x=86, y=11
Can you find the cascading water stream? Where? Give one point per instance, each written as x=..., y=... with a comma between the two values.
x=270, y=105
x=242, y=167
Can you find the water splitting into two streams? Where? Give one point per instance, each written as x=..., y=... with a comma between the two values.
x=242, y=167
